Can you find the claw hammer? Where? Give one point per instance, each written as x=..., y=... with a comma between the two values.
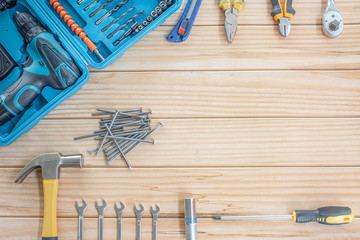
x=50, y=165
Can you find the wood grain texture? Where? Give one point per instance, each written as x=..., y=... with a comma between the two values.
x=173, y=229
x=257, y=12
x=220, y=94
x=238, y=120
x=207, y=143
x=255, y=47
x=239, y=191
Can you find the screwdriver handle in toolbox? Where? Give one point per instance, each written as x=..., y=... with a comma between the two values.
x=75, y=28
x=325, y=215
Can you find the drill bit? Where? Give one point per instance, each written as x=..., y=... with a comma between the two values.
x=125, y=24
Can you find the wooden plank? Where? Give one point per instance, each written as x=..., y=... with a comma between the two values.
x=257, y=12
x=220, y=94
x=247, y=191
x=173, y=229
x=207, y=143
x=255, y=47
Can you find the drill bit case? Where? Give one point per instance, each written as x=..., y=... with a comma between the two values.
x=45, y=14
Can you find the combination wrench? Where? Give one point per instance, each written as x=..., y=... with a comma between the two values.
x=100, y=210
x=155, y=214
x=119, y=211
x=81, y=211
x=138, y=213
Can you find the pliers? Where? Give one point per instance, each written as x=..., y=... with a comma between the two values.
x=231, y=12
x=283, y=15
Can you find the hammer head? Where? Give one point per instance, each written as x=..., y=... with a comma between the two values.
x=50, y=164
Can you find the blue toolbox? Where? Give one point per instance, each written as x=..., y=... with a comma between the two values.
x=46, y=47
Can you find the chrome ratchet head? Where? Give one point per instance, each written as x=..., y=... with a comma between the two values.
x=332, y=22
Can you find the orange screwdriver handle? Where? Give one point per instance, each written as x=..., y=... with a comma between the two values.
x=74, y=26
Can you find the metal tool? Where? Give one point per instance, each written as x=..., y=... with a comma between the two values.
x=50, y=165
x=76, y=28
x=6, y=4
x=190, y=218
x=127, y=34
x=100, y=210
x=119, y=211
x=107, y=133
x=117, y=19
x=100, y=8
x=111, y=12
x=125, y=24
x=81, y=211
x=149, y=19
x=158, y=10
x=155, y=214
x=91, y=5
x=163, y=5
x=183, y=28
x=121, y=133
x=332, y=22
x=325, y=215
x=231, y=13
x=138, y=213
x=154, y=15
x=79, y=2
x=48, y=64
x=130, y=147
x=7, y=64
x=283, y=15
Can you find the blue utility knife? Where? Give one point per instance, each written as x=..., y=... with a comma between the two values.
x=183, y=28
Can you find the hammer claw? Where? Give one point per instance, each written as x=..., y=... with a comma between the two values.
x=50, y=165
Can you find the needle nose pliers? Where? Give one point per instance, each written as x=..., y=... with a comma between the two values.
x=231, y=12
x=283, y=15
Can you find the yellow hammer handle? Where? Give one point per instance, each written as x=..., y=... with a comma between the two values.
x=50, y=197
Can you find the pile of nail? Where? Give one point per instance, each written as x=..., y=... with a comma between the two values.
x=121, y=132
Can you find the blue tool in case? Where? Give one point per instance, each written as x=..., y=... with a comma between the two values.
x=112, y=25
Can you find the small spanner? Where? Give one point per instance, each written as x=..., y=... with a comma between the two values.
x=81, y=211
x=100, y=210
x=155, y=214
x=119, y=212
x=138, y=220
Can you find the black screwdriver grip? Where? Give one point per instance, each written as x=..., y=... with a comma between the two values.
x=325, y=215
x=50, y=238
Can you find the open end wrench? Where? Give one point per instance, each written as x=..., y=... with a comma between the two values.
x=119, y=212
x=155, y=214
x=81, y=211
x=101, y=210
x=138, y=213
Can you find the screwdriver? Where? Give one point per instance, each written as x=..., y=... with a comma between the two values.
x=326, y=215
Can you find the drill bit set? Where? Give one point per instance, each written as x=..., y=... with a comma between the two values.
x=121, y=132
x=115, y=21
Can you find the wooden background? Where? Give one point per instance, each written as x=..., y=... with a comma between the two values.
x=265, y=125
